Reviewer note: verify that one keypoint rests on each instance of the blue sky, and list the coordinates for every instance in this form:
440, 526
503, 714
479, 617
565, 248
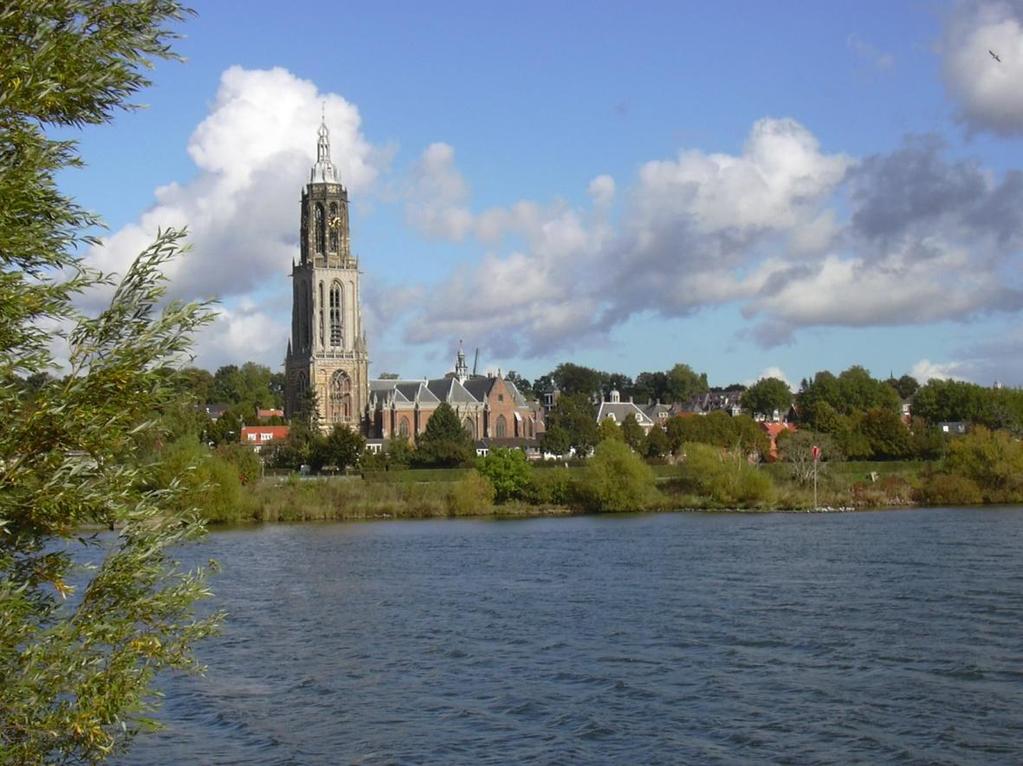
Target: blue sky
744, 187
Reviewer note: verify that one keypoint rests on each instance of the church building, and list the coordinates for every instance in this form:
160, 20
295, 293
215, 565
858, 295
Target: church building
327, 353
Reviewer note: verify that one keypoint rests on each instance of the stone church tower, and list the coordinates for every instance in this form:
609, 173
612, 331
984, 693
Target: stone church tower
327, 351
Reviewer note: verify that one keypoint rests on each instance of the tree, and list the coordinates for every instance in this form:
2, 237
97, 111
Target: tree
609, 429
683, 383
766, 396
572, 422
341, 448
576, 379
906, 386
888, 436
656, 444
77, 672
444, 441
508, 471
633, 432
796, 448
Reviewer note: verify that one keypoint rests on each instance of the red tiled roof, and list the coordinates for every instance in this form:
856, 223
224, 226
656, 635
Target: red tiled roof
276, 433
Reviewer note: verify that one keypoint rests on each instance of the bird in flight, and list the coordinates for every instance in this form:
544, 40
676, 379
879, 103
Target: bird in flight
995, 56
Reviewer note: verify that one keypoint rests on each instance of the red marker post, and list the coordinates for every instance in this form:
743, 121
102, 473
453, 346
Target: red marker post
815, 451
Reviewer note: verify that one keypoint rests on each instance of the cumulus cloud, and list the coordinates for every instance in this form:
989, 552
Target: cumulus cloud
793, 235
926, 370
437, 194
252, 154
985, 90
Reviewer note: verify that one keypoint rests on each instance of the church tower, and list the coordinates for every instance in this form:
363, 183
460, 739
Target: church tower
327, 352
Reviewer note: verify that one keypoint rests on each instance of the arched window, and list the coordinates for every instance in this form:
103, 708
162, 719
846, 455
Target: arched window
529, 428
502, 427
321, 228
336, 335
340, 397
470, 427
322, 316
403, 428
333, 227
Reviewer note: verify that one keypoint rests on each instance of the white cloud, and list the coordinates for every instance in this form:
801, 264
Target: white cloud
986, 91
246, 332
926, 370
252, 152
602, 190
772, 372
437, 194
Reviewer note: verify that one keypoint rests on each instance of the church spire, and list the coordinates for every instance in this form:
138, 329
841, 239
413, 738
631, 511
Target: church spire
323, 171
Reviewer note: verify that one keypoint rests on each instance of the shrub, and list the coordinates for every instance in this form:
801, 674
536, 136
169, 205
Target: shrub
949, 489
470, 495
616, 479
551, 486
508, 471
724, 478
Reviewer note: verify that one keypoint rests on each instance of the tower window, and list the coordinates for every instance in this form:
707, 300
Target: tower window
336, 334
321, 228
334, 223
340, 397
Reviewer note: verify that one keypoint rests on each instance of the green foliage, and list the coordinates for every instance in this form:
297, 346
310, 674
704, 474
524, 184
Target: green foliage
246, 463
551, 486
247, 387
576, 380
473, 494
991, 459
683, 383
444, 441
767, 395
340, 449
655, 444
615, 479
632, 432
948, 489
719, 429
76, 673
609, 429
853, 391
508, 471
571, 424
906, 386
724, 478
887, 435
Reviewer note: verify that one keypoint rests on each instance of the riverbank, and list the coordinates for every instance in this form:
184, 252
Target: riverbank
424, 494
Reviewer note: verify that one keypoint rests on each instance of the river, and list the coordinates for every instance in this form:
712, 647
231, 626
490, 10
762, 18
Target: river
887, 637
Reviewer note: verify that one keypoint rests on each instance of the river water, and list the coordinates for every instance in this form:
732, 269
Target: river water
890, 637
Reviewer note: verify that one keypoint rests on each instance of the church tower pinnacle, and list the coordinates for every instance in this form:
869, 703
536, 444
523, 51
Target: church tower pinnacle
327, 360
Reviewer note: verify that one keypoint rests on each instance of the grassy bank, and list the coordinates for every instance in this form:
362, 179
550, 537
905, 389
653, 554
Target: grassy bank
425, 493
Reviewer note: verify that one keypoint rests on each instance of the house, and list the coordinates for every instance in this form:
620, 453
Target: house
615, 410
266, 414
259, 436
725, 400
774, 429
953, 427
214, 411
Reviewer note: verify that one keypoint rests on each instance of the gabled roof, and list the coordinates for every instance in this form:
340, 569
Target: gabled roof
450, 390
620, 411
479, 387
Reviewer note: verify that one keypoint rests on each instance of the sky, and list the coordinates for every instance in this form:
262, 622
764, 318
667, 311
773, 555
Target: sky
749, 188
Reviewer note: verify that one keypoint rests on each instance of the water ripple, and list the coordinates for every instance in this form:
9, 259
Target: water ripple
657, 639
